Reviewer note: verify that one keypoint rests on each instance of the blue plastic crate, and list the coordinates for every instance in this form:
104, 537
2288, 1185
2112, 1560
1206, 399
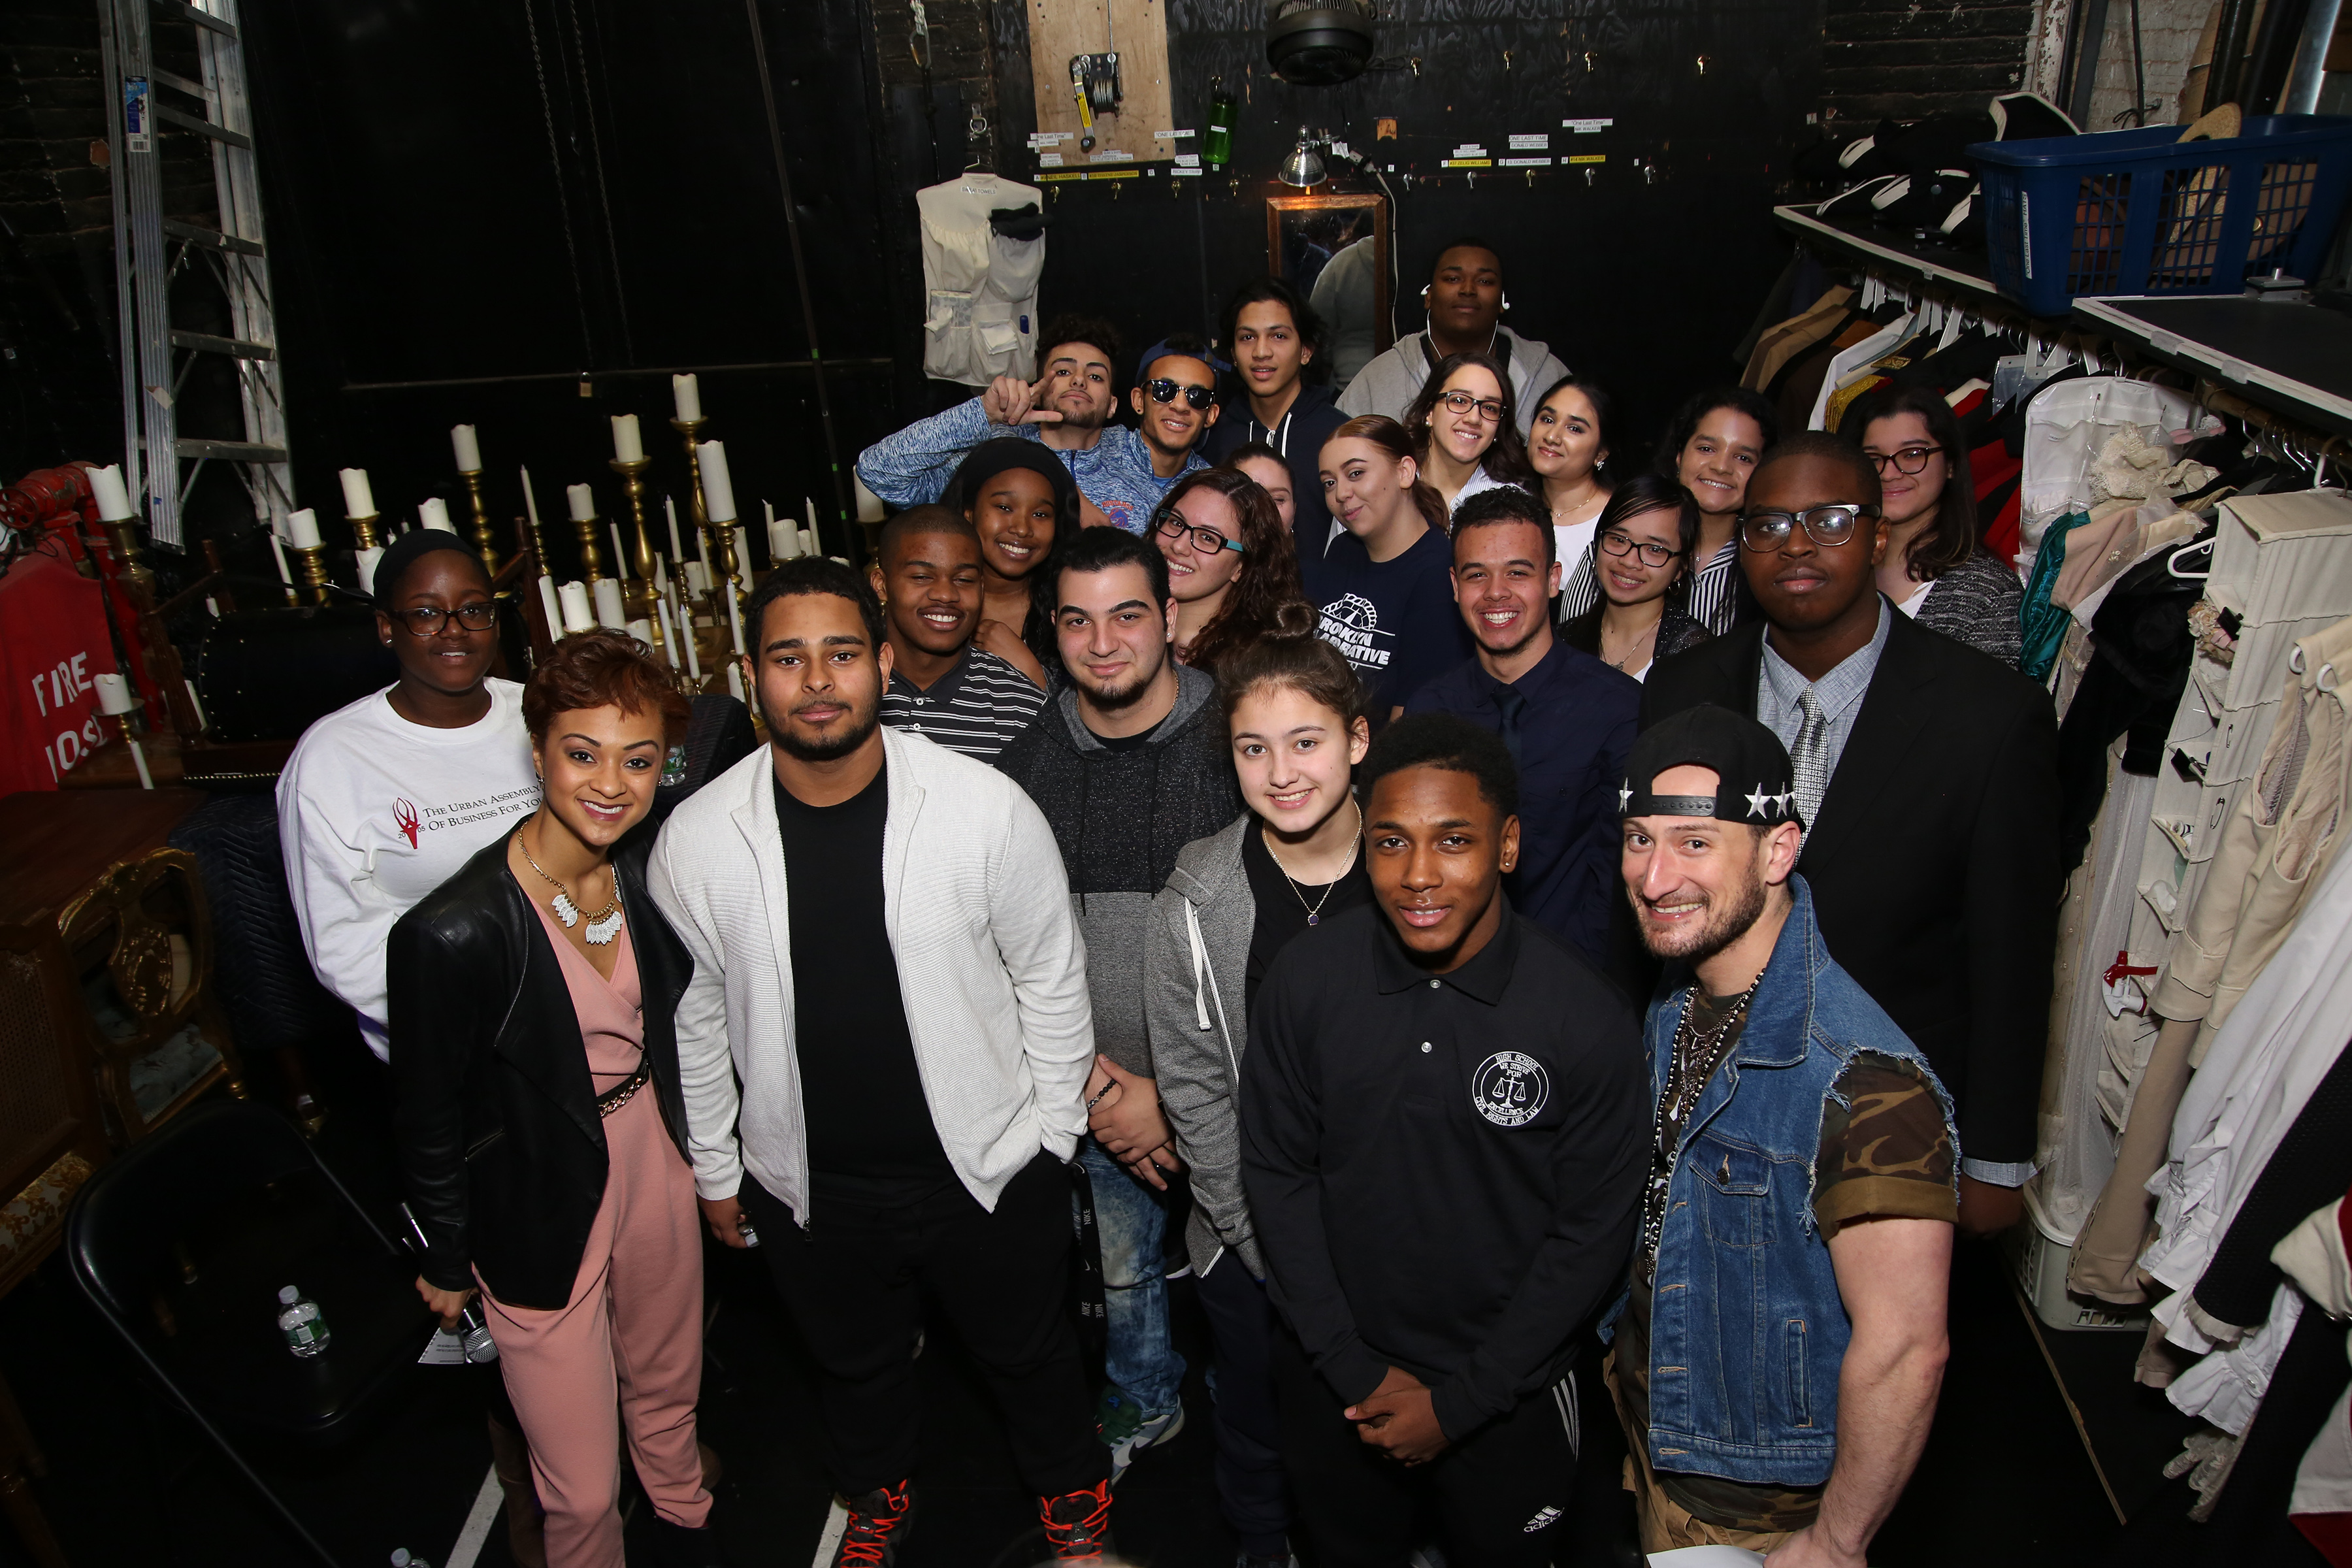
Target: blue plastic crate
2140, 212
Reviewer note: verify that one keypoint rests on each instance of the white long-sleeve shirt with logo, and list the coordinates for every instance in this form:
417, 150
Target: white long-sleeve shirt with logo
374, 812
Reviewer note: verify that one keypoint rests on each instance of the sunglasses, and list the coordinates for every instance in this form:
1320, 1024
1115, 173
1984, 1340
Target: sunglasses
1163, 389
1207, 541
1909, 460
1824, 525
1491, 409
428, 622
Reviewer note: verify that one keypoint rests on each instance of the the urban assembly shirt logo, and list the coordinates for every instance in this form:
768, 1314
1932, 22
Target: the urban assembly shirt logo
1351, 623
1509, 1089
413, 822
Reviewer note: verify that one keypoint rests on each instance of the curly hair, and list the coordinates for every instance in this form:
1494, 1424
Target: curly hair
1668, 458
1269, 575
602, 669
1506, 458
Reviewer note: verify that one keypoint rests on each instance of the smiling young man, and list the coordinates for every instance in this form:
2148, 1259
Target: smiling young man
943, 684
1121, 472
885, 959
1565, 716
1909, 748
1776, 1397
1276, 342
1466, 302
1442, 1110
1129, 764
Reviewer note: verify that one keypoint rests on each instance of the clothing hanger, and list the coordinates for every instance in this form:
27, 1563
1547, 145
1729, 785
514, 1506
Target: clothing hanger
2172, 562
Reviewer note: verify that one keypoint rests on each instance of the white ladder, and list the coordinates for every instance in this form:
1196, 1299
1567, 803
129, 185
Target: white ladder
151, 252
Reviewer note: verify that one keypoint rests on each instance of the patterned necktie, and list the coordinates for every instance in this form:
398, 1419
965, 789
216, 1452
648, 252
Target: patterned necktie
1809, 758
1509, 700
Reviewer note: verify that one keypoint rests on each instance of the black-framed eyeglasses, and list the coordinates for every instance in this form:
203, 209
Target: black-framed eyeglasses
427, 621
1163, 389
1825, 525
1463, 402
1621, 544
1904, 459
1207, 541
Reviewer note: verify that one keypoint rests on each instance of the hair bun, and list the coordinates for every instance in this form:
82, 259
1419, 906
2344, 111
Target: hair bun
1293, 618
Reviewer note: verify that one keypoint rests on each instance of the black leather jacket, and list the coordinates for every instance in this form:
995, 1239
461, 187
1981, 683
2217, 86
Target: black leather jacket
500, 1144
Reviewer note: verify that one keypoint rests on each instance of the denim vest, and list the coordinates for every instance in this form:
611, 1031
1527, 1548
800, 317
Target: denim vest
1747, 1327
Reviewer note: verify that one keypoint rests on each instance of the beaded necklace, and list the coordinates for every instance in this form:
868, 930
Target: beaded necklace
1693, 1063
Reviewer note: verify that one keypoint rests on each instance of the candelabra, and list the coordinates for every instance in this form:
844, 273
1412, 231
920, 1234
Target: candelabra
483, 541
311, 564
124, 534
363, 533
639, 590
527, 534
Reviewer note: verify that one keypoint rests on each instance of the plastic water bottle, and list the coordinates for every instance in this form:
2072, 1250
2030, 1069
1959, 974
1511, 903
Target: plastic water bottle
297, 1319
1217, 146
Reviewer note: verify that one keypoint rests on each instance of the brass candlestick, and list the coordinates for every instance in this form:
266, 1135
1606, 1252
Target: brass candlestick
363, 533
124, 534
692, 430
527, 535
638, 592
311, 565
483, 541
591, 558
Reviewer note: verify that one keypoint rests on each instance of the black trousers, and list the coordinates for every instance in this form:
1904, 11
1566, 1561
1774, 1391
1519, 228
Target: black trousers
854, 1282
1242, 1328
1494, 1498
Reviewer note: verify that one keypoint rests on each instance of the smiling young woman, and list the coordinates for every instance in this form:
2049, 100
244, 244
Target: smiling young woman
1464, 427
1640, 559
1231, 564
1936, 569
541, 1118
1021, 501
1714, 442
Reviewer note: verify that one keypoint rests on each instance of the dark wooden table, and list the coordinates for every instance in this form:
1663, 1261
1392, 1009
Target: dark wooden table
55, 843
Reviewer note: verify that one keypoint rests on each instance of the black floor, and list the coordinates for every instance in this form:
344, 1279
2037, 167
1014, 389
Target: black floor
2006, 1477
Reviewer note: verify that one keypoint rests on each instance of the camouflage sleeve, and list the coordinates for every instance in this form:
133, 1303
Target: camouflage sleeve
1886, 1153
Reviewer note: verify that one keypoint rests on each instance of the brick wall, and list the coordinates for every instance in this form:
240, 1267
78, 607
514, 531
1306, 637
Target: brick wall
1904, 58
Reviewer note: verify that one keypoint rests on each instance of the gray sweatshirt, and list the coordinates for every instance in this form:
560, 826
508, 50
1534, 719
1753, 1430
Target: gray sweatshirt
1120, 818
1387, 385
1195, 961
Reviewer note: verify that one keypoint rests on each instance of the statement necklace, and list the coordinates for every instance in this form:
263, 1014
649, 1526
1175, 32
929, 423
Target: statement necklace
1689, 1067
1315, 910
603, 926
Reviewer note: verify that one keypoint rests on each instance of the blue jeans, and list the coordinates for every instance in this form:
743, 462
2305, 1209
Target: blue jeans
1132, 1222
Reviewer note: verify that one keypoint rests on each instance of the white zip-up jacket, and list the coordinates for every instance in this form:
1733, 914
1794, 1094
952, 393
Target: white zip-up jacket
992, 972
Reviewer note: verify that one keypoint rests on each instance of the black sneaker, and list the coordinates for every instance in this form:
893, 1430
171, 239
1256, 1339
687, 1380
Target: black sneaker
1078, 1524
877, 1527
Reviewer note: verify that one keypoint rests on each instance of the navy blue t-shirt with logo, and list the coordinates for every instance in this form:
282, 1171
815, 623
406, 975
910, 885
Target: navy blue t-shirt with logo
1395, 620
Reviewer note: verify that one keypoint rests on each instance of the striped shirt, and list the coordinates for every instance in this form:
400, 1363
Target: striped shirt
975, 708
1714, 601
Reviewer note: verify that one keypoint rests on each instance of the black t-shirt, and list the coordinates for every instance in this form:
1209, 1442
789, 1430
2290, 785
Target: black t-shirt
1134, 742
869, 1128
1281, 914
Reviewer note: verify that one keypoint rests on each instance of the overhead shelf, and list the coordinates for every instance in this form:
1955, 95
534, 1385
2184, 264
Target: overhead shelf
2296, 359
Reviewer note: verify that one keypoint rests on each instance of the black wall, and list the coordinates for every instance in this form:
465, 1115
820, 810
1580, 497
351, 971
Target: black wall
523, 216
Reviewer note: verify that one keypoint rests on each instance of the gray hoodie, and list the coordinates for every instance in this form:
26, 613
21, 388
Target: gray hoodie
1195, 959
1121, 818
1387, 385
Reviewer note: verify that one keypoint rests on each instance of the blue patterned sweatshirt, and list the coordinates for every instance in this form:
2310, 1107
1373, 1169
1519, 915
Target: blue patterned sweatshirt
914, 467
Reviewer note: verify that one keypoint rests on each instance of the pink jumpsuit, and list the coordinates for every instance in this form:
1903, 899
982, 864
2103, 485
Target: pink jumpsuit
632, 1334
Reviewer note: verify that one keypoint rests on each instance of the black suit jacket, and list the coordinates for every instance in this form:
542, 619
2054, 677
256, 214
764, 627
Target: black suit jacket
500, 1144
1934, 865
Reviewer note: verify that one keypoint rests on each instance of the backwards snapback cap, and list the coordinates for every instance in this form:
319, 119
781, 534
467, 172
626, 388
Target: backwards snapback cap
1754, 781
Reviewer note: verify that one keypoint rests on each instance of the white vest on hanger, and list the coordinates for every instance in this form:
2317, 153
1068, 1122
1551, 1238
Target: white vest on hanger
980, 287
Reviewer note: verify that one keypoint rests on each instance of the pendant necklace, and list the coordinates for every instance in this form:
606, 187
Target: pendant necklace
603, 926
1315, 910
